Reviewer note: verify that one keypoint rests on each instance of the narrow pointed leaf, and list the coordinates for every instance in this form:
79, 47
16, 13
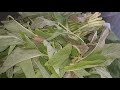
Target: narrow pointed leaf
103, 72
17, 56
9, 40
15, 27
58, 58
43, 71
27, 68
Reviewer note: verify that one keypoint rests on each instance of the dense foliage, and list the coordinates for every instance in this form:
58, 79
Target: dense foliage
58, 45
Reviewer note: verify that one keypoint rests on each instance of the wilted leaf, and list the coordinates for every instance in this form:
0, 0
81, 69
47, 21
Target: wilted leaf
67, 75
92, 37
103, 37
70, 74
27, 68
82, 48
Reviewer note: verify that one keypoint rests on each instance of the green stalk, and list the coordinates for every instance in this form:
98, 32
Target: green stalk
69, 32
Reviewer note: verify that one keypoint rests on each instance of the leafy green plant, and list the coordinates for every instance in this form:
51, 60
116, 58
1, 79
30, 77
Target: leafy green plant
58, 45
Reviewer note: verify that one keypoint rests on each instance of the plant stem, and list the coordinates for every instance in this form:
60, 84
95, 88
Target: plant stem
69, 32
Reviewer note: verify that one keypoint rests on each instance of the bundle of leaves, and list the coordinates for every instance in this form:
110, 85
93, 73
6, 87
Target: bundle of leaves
58, 45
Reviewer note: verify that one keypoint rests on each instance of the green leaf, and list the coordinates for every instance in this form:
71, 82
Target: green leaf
28, 42
11, 49
4, 53
9, 72
27, 14
58, 58
3, 75
94, 76
17, 56
61, 40
114, 68
41, 22
74, 52
54, 35
9, 40
81, 73
112, 38
38, 74
16, 28
59, 17
103, 72
42, 48
52, 70
43, 71
27, 68
17, 69
111, 50
56, 45
54, 76
3, 48
61, 70
19, 75
83, 65
3, 32
96, 55
42, 33
50, 49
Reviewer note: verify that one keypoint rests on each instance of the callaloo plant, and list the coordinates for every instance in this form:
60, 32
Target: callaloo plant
58, 45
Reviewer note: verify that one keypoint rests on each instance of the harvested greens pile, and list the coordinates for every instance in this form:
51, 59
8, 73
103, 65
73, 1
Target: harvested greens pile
58, 45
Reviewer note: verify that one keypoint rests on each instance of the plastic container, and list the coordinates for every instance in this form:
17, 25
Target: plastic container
114, 19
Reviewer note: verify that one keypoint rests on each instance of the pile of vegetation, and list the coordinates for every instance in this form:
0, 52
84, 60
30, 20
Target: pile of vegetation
58, 45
